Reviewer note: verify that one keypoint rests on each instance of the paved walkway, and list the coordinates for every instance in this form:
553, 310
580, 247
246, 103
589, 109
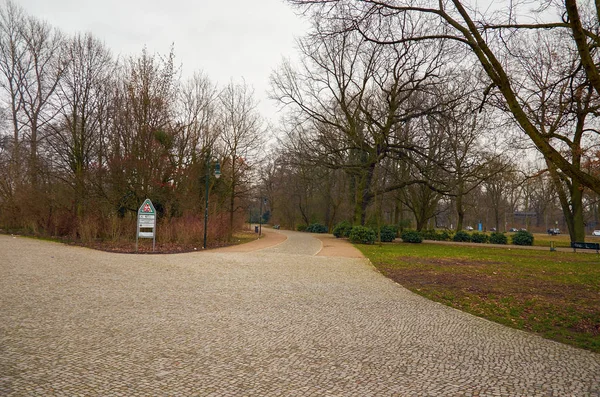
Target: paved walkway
279, 321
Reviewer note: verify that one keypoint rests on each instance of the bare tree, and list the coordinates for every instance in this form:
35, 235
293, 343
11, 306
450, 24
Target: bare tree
242, 135
143, 135
76, 136
12, 53
41, 69
488, 38
497, 188
351, 102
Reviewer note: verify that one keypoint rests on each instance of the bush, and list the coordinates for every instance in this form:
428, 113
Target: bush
362, 235
444, 235
301, 228
342, 229
411, 236
388, 233
479, 237
462, 237
430, 234
316, 228
522, 237
498, 238
435, 236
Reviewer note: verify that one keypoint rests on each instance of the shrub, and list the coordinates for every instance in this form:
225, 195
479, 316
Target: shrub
462, 236
479, 237
522, 237
342, 229
301, 228
444, 235
388, 233
498, 238
316, 228
411, 236
430, 234
362, 235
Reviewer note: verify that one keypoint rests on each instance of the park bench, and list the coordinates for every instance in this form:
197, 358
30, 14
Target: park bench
587, 246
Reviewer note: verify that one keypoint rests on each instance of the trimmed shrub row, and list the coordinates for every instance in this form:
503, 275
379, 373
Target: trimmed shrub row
316, 228
312, 228
366, 235
363, 234
519, 238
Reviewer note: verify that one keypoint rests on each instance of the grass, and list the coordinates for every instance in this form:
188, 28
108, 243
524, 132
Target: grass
560, 240
554, 294
243, 237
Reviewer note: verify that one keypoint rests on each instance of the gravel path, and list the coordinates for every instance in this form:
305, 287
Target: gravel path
280, 321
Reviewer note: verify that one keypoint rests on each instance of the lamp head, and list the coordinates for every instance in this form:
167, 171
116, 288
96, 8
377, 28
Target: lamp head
217, 170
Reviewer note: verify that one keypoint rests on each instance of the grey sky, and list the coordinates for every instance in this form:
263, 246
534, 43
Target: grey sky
225, 39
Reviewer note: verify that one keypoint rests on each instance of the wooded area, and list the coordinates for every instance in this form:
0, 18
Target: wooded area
441, 111
419, 114
87, 137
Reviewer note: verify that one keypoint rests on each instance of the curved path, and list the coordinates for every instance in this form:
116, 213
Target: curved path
278, 321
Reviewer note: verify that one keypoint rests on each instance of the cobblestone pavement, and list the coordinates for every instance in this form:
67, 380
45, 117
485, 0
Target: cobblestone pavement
275, 322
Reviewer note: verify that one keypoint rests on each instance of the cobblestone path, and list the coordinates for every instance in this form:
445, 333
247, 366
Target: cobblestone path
276, 322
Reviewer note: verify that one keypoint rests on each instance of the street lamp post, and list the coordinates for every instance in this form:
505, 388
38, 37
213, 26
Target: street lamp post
217, 175
260, 215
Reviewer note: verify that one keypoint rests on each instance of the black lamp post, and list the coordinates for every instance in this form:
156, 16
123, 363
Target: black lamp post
217, 175
260, 216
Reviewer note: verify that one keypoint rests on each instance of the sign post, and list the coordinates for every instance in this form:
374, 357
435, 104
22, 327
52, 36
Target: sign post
146, 223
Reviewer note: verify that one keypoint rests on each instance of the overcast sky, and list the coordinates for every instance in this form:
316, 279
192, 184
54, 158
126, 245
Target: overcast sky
226, 39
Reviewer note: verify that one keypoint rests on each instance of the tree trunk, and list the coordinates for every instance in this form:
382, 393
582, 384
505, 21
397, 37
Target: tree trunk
363, 195
578, 228
460, 211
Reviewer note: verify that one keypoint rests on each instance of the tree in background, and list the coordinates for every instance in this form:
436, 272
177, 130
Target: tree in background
351, 103
242, 140
85, 138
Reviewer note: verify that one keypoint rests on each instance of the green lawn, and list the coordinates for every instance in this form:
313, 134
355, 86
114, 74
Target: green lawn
555, 294
561, 240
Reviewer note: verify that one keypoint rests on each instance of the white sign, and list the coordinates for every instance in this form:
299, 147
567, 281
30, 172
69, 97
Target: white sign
147, 221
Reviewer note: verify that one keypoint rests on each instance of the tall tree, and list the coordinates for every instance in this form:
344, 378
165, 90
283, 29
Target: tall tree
243, 138
76, 136
42, 68
488, 39
144, 133
351, 102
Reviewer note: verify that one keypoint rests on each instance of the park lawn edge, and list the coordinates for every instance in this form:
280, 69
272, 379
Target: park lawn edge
570, 319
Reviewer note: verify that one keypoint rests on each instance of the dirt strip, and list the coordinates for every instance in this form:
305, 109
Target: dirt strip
337, 247
269, 238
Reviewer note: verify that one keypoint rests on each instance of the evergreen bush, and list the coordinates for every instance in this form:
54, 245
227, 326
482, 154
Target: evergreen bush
522, 237
388, 233
429, 234
411, 236
479, 237
316, 228
462, 237
342, 229
498, 238
362, 235
444, 235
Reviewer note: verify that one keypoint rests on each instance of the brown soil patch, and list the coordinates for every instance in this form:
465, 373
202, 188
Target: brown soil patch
145, 245
484, 278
